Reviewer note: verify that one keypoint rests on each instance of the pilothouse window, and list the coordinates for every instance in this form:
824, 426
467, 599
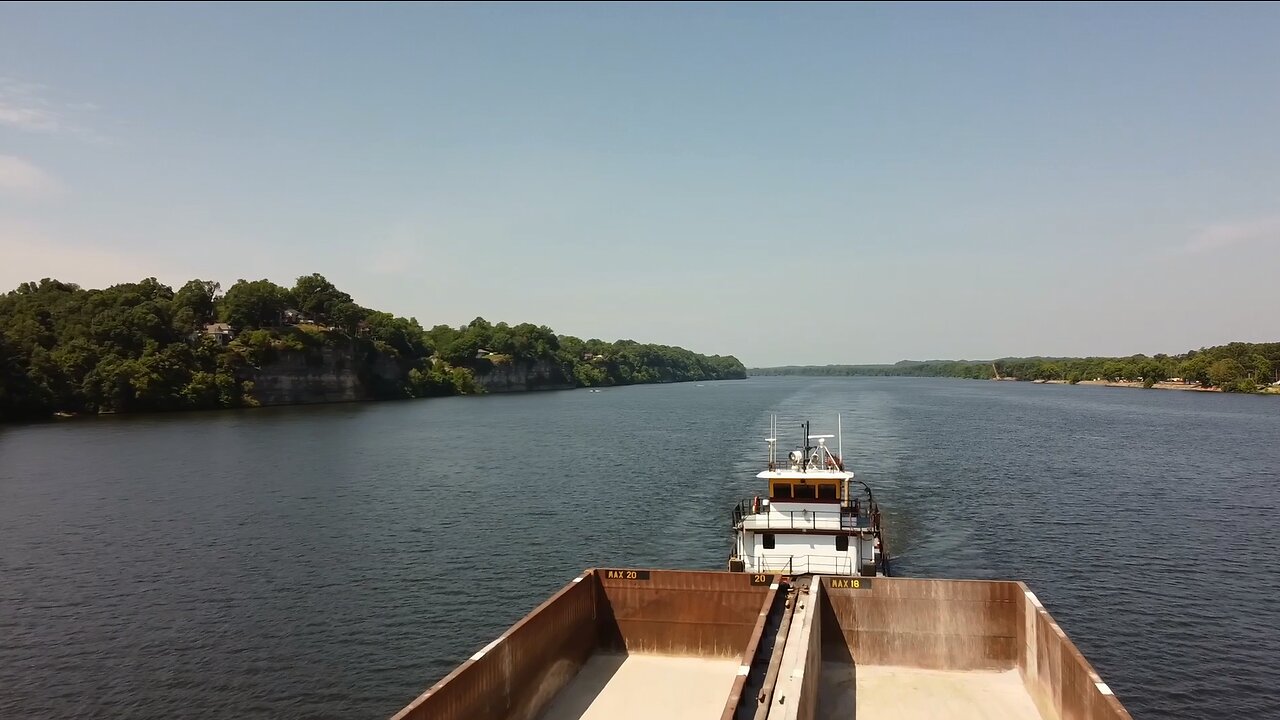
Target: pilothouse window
782, 490
826, 492
803, 491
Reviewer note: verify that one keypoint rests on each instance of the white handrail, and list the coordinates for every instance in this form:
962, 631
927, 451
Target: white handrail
791, 563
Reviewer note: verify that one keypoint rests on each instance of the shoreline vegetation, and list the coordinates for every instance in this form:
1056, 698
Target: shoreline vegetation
141, 347
1236, 367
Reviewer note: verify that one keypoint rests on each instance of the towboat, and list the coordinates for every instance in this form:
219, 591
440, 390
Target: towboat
814, 517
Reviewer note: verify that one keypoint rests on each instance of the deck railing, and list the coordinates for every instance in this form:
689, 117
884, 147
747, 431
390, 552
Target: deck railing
805, 564
767, 518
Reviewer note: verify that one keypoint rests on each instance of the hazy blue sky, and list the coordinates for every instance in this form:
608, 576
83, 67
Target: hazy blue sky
791, 184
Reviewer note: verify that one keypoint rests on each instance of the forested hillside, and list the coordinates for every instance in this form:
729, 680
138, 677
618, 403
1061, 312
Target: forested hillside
143, 346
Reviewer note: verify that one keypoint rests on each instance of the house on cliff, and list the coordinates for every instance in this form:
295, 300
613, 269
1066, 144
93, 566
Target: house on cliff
294, 317
222, 332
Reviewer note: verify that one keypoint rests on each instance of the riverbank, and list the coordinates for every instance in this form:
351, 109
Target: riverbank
1140, 386
480, 391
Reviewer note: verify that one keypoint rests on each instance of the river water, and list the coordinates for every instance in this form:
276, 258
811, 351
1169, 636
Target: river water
332, 562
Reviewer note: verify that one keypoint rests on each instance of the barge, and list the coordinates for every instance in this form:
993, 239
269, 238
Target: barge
630, 643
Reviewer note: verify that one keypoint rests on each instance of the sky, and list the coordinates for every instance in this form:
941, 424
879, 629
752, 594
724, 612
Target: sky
791, 184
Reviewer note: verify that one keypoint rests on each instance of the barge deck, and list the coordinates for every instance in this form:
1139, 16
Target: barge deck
737, 646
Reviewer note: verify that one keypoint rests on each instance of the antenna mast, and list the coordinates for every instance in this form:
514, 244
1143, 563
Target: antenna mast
773, 440
807, 446
840, 440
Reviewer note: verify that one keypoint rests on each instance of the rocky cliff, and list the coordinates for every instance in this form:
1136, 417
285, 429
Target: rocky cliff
517, 376
334, 373
349, 370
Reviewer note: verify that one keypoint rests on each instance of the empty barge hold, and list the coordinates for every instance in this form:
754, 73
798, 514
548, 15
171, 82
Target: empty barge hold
631, 643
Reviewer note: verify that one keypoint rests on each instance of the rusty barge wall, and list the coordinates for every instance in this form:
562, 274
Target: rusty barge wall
1061, 681
658, 612
960, 626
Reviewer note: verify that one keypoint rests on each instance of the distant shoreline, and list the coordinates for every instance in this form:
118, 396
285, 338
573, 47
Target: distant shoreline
1236, 367
1266, 390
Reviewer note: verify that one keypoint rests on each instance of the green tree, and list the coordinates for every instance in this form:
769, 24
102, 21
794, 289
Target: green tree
1152, 370
587, 375
1115, 370
348, 317
194, 304
1196, 369
318, 298
21, 396
1242, 385
1225, 373
1046, 371
1260, 367
254, 304
406, 337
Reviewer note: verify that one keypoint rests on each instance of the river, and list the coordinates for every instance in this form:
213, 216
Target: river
334, 561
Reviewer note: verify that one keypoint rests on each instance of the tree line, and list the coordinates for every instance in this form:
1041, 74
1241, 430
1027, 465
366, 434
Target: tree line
1234, 367
143, 346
